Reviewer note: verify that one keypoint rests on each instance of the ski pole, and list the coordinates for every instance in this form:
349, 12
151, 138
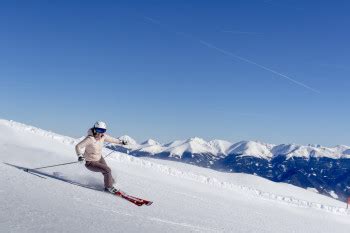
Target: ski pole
109, 154
56, 165
61, 164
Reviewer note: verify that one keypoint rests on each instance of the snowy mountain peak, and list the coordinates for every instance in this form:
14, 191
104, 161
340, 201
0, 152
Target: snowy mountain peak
174, 143
221, 146
150, 142
293, 150
252, 148
193, 145
196, 140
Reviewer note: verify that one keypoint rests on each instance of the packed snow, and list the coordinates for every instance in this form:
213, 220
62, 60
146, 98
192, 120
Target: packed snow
186, 198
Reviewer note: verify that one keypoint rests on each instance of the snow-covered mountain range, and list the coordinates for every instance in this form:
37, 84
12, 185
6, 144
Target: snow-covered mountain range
219, 148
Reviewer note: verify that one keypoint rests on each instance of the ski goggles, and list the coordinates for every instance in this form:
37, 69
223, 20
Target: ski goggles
100, 130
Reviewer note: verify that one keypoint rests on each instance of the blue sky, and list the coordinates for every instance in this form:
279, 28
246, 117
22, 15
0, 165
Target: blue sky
274, 71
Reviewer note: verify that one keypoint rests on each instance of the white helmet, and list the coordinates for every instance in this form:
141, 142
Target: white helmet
100, 127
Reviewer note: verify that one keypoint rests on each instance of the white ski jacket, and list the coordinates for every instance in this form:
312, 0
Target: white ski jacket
93, 147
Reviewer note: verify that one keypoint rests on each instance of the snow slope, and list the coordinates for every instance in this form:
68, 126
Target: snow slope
186, 198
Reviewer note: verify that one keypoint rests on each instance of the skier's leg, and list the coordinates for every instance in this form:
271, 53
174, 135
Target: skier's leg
97, 166
103, 161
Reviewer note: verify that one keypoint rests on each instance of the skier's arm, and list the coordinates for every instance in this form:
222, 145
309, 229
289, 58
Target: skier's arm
114, 140
80, 146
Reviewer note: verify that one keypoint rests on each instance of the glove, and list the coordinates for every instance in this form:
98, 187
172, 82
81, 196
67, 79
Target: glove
124, 142
81, 159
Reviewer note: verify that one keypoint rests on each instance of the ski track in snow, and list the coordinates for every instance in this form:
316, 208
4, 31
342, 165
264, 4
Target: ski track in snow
153, 219
124, 158
186, 225
191, 196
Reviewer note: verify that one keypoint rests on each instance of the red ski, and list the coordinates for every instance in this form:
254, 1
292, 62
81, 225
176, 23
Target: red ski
135, 200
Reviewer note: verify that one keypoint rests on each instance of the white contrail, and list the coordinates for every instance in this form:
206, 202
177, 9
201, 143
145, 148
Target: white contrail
258, 65
227, 53
152, 20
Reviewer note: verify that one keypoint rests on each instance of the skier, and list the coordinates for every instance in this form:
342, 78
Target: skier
93, 145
